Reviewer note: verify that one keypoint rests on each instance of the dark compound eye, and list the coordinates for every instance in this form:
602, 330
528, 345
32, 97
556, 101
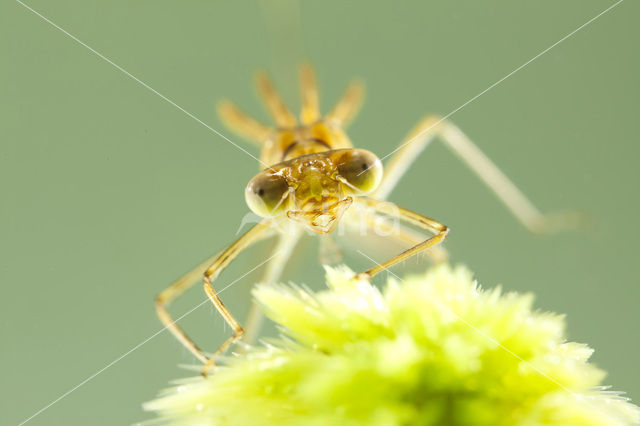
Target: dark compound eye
361, 169
265, 194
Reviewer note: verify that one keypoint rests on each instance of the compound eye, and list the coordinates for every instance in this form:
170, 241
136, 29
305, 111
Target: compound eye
361, 169
265, 194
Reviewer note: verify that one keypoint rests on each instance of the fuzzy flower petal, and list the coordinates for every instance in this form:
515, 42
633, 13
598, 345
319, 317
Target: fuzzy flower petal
433, 349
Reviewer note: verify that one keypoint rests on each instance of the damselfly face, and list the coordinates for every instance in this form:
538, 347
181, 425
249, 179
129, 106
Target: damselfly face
314, 189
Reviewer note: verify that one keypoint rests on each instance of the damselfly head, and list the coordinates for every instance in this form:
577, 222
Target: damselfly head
315, 189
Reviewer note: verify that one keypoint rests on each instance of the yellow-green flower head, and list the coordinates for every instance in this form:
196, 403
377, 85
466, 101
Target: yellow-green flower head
433, 349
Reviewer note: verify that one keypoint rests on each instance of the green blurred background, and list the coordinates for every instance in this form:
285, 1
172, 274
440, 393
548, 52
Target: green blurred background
109, 192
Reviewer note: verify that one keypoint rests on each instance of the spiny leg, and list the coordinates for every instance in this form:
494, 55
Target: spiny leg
242, 124
282, 252
274, 104
515, 201
439, 230
250, 237
310, 112
171, 293
348, 105
359, 218
410, 148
